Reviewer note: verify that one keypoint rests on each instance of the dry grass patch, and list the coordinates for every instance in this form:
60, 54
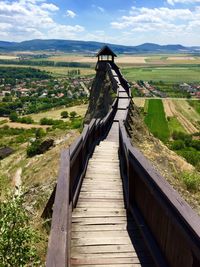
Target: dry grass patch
55, 114
139, 102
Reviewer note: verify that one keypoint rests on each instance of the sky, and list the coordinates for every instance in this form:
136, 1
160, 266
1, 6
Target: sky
126, 22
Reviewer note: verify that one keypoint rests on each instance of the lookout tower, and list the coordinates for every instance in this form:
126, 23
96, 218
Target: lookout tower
106, 55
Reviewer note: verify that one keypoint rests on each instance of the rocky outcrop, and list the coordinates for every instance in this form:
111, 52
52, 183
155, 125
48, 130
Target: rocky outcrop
101, 94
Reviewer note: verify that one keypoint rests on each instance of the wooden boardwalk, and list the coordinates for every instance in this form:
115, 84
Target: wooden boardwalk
99, 222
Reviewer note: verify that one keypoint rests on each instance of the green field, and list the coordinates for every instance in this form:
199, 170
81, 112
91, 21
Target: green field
156, 120
166, 74
175, 125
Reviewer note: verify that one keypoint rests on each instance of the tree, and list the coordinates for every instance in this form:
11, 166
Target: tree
64, 114
13, 117
39, 133
17, 238
73, 114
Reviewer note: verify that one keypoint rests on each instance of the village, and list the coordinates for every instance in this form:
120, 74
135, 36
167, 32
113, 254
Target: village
57, 88
159, 89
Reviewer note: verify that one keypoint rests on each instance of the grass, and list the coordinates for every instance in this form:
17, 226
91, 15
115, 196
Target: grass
156, 121
146, 104
191, 180
195, 105
175, 125
174, 74
55, 113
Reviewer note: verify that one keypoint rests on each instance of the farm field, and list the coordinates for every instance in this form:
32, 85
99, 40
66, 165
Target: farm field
156, 120
55, 71
131, 59
182, 116
55, 114
165, 74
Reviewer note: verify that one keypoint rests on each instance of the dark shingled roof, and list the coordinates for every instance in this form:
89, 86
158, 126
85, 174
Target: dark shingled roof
106, 51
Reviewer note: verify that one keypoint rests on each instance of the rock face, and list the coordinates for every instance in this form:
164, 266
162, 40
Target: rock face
101, 95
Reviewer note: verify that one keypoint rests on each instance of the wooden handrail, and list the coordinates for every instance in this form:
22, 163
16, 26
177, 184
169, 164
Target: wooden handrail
61, 215
168, 222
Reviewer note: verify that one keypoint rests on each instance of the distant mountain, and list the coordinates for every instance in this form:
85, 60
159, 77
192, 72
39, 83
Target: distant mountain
72, 46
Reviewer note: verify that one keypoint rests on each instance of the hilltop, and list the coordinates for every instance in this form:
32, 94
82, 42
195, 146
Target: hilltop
90, 47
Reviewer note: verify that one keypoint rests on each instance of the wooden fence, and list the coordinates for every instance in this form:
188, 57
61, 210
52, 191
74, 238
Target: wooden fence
169, 226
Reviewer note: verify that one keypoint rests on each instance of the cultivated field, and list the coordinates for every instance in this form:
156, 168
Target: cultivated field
55, 114
55, 71
181, 110
156, 120
165, 74
124, 60
8, 57
182, 116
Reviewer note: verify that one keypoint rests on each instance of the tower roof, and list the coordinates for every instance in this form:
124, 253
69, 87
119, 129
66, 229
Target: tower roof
106, 51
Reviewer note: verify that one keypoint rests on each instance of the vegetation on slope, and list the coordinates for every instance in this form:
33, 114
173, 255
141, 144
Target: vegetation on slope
195, 105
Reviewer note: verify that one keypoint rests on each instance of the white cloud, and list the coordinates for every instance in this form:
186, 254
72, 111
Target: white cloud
28, 19
162, 24
173, 2
71, 14
50, 7
101, 9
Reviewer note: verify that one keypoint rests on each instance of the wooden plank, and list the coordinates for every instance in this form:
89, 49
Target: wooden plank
85, 214
100, 220
100, 234
106, 261
117, 265
77, 227
103, 249
94, 204
76, 255
101, 241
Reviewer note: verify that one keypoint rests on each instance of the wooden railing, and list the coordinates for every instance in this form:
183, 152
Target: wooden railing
169, 226
73, 166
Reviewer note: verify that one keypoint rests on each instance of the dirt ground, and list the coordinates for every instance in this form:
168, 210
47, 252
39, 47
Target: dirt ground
139, 102
173, 108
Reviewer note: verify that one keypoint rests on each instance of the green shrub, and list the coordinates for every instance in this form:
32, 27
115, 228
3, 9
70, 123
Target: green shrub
191, 180
17, 238
27, 120
178, 144
33, 148
73, 114
76, 123
64, 114
191, 155
13, 117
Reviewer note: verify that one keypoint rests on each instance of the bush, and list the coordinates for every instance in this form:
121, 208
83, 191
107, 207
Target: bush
13, 117
178, 144
73, 114
191, 155
76, 123
33, 149
39, 133
27, 120
64, 114
191, 180
17, 238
